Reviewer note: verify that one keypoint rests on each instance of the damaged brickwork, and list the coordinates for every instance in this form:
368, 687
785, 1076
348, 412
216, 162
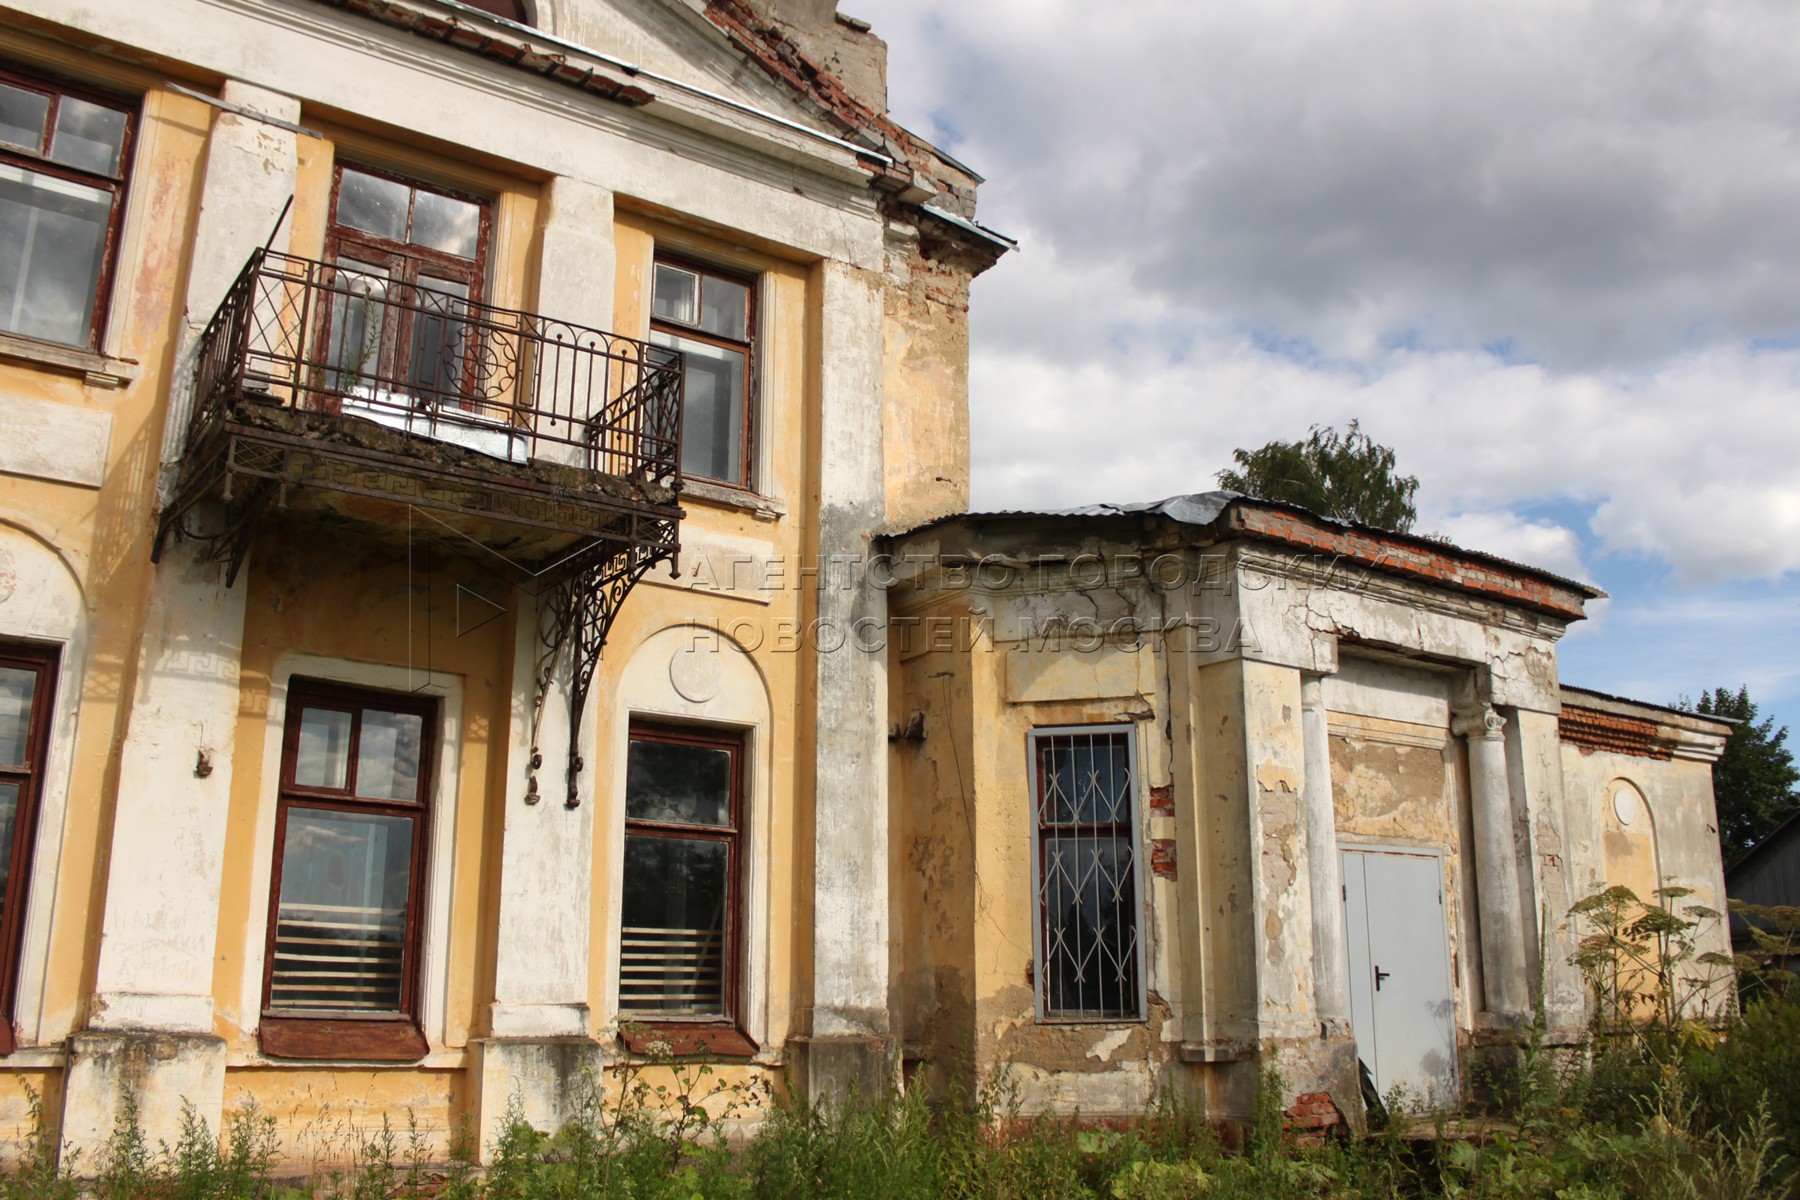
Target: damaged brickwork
1314, 1117
1591, 730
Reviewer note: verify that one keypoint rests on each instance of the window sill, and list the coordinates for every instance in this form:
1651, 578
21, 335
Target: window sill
688, 1041
763, 508
97, 369
358, 1041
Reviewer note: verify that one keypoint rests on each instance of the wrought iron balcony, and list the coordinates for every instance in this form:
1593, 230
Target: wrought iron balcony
323, 386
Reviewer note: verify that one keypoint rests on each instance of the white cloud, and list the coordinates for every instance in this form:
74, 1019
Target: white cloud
1542, 248
1545, 544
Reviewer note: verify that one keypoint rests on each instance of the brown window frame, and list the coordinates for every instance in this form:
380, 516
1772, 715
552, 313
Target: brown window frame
56, 87
716, 1036
748, 281
404, 262
377, 1034
44, 660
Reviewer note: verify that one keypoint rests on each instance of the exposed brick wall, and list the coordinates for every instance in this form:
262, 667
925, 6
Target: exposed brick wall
1403, 556
1314, 1117
1162, 857
1593, 730
1162, 800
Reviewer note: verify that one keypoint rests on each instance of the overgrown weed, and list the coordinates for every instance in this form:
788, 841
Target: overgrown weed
1665, 1101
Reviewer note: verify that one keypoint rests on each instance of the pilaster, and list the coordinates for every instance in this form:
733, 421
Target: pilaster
850, 1041
541, 1051
1331, 961
153, 987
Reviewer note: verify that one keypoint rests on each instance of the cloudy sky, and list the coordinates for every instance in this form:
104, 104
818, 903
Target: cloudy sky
1549, 250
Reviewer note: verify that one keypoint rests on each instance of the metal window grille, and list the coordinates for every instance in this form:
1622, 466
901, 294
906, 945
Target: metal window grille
1089, 943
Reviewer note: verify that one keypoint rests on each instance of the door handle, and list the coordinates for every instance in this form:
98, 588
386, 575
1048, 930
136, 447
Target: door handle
1379, 976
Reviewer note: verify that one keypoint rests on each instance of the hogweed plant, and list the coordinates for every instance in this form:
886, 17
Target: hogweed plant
1644, 968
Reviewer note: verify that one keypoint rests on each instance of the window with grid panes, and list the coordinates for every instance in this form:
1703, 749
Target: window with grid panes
350, 842
409, 262
1089, 935
63, 154
27, 679
678, 944
707, 315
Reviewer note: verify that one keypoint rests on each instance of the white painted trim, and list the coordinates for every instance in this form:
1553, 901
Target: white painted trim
440, 863
48, 439
63, 625
754, 721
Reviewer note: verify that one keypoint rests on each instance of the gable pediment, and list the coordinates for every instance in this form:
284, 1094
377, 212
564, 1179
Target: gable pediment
675, 39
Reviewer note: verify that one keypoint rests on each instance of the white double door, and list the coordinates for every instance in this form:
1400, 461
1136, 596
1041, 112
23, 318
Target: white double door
1402, 1009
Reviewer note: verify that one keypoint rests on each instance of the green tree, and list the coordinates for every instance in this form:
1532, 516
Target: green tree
1754, 778
1349, 476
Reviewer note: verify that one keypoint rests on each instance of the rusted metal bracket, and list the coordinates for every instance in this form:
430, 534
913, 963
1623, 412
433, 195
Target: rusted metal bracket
577, 615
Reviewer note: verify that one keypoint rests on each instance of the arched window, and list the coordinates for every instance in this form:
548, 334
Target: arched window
512, 10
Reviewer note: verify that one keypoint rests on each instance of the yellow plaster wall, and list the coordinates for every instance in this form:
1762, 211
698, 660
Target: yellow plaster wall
964, 863
376, 612
324, 1117
1679, 807
937, 893
925, 415
29, 1101
1392, 791
104, 534
766, 632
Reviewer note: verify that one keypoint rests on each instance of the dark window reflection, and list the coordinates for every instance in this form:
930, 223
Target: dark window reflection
675, 941
666, 781
1088, 906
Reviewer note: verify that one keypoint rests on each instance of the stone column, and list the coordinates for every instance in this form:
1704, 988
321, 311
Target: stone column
1331, 952
150, 1020
850, 1043
1505, 965
540, 1049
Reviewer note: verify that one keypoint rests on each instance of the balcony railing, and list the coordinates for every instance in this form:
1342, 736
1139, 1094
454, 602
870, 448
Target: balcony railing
298, 334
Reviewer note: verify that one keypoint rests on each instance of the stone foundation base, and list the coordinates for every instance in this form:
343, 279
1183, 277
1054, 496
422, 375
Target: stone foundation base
830, 1070
544, 1081
159, 1071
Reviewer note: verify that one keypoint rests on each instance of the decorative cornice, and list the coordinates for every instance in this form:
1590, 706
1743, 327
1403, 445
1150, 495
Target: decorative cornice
1445, 566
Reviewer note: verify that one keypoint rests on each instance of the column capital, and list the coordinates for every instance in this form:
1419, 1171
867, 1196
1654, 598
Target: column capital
1479, 722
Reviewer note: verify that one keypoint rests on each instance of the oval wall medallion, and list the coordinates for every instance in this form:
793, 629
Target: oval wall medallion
694, 671
9, 576
1625, 806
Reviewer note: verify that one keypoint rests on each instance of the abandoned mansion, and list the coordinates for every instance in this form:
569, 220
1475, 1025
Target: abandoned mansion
487, 593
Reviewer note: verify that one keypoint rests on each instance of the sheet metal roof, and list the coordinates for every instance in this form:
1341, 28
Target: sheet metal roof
1203, 508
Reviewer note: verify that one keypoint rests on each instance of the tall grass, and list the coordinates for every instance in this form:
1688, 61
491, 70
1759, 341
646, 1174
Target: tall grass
1659, 1105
